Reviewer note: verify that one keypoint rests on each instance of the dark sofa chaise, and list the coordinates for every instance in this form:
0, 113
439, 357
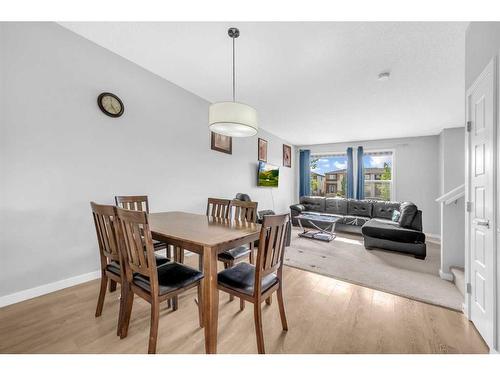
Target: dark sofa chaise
373, 219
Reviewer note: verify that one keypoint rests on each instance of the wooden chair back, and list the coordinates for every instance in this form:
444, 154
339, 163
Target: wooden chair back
244, 211
107, 229
271, 247
138, 245
133, 202
218, 208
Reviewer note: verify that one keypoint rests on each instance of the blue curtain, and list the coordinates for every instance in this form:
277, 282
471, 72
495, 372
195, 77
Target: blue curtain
305, 173
350, 174
360, 192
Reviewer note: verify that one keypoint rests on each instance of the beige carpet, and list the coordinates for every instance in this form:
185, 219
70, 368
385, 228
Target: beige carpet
346, 258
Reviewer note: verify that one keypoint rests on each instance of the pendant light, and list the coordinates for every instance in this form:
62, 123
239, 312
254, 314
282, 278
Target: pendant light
232, 118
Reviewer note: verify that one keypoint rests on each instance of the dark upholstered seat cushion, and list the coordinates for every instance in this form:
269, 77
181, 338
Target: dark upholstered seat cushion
388, 230
241, 278
115, 267
408, 211
359, 208
234, 254
336, 206
158, 245
161, 260
171, 276
316, 204
384, 210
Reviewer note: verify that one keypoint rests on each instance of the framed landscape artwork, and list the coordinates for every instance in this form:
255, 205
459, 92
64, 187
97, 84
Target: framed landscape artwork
262, 150
221, 143
287, 156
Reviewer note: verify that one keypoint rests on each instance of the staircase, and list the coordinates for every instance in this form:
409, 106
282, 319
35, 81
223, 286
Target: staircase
459, 278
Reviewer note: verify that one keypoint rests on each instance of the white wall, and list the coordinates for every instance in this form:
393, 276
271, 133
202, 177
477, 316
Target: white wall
482, 42
452, 175
415, 167
58, 151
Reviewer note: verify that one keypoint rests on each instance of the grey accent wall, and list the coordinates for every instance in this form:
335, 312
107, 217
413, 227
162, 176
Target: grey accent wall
416, 171
452, 157
58, 151
452, 175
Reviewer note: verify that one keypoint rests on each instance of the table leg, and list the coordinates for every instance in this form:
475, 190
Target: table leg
210, 299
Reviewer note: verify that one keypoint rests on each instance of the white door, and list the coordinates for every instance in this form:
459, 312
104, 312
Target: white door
481, 117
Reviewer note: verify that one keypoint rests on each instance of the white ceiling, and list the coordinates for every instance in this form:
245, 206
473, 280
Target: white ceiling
310, 82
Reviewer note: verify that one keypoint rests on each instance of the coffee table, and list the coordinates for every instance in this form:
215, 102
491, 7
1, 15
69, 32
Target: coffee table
327, 234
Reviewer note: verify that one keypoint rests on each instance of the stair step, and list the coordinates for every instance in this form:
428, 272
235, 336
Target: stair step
459, 278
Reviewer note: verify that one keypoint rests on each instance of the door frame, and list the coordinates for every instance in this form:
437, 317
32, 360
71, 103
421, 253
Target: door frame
494, 66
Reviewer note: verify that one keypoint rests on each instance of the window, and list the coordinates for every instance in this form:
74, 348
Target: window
328, 175
378, 175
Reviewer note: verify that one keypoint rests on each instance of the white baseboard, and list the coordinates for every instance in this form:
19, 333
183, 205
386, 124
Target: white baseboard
431, 237
26, 294
445, 275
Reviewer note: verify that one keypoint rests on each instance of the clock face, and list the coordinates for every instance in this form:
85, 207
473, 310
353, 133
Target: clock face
110, 104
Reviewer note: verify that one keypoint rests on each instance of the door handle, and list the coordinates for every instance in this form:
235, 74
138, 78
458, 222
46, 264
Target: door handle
482, 222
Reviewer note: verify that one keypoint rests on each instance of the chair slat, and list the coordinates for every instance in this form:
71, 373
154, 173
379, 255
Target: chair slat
138, 242
277, 246
133, 202
106, 230
139, 247
218, 208
270, 248
271, 243
244, 210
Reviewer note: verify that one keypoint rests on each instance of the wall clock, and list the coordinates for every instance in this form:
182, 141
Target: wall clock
110, 104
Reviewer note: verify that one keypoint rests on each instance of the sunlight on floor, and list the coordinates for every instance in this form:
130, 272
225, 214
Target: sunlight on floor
348, 240
383, 300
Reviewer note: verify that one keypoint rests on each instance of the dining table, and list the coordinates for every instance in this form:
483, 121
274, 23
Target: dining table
208, 237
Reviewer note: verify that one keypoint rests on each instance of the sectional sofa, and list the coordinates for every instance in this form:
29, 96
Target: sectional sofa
375, 220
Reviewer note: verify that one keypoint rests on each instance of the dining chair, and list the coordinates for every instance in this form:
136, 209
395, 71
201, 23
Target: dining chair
140, 203
146, 280
109, 240
218, 208
256, 283
242, 211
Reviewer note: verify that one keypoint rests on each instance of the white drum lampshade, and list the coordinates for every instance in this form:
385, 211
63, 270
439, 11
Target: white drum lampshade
233, 119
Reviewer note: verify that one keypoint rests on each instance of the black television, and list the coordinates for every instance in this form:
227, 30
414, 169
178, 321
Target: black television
268, 175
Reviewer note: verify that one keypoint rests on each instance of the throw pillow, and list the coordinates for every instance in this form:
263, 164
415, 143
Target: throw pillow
395, 215
408, 212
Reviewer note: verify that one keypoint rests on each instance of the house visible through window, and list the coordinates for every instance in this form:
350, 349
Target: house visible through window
378, 175
328, 175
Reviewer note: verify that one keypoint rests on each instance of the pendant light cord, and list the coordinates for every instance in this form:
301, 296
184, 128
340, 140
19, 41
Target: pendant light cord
234, 80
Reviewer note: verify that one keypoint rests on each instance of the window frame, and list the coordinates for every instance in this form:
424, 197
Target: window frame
326, 155
393, 170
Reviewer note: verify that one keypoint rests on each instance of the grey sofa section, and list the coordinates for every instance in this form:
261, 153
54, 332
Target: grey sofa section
372, 219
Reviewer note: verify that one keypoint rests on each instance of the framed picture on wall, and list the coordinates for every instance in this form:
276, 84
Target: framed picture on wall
262, 150
221, 143
287, 156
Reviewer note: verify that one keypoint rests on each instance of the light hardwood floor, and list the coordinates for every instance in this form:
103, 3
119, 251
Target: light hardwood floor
324, 316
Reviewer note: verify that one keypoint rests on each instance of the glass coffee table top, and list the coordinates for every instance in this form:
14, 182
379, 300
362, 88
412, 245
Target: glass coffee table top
318, 217
317, 233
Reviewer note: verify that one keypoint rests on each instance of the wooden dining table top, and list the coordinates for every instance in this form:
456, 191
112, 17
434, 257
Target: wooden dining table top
207, 236
199, 229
